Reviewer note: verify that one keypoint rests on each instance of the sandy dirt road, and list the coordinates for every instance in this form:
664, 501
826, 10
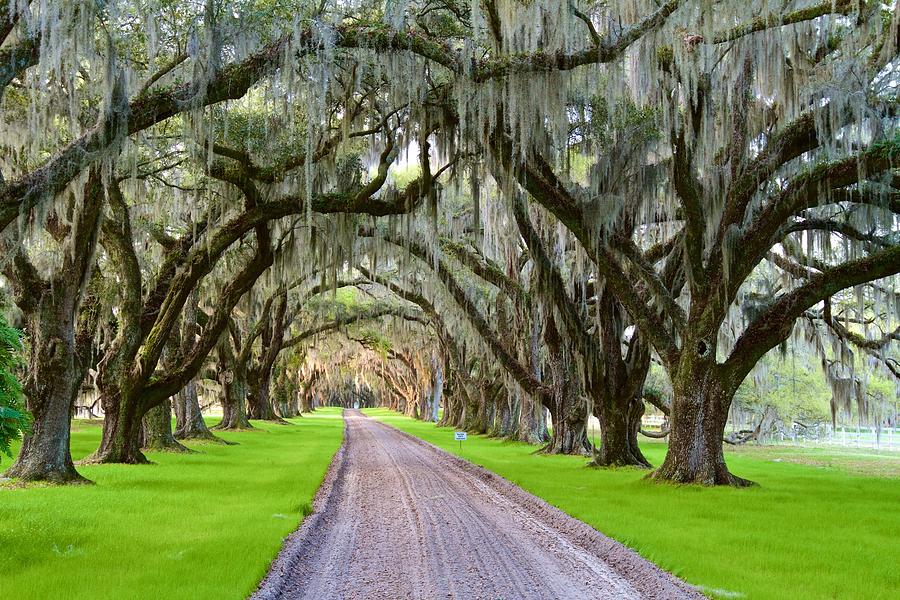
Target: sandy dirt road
399, 518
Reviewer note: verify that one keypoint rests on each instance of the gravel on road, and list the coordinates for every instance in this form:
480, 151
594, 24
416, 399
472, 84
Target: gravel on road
399, 518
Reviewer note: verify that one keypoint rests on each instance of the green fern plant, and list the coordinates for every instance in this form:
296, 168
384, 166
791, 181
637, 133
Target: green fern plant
14, 420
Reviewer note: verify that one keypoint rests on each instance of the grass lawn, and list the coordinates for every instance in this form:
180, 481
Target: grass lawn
814, 527
202, 525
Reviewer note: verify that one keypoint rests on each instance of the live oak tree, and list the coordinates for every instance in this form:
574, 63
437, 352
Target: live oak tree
742, 172
775, 138
60, 318
129, 382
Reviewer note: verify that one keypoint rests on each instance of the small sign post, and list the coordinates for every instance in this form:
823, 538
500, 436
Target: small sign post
460, 436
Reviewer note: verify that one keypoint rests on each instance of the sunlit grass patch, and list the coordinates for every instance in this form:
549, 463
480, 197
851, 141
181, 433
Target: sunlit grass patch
202, 525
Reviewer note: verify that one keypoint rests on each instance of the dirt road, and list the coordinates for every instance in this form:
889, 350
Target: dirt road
399, 518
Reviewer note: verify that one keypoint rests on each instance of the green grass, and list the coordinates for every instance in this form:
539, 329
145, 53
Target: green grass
202, 525
814, 527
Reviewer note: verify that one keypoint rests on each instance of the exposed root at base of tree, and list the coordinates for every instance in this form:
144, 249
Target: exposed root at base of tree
204, 437
173, 447
601, 463
718, 477
549, 449
15, 480
236, 427
106, 458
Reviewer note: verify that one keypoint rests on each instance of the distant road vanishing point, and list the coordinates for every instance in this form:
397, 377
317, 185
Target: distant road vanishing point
400, 518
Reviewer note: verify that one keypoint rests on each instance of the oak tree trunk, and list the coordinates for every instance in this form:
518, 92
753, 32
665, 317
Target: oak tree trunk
475, 411
306, 393
232, 377
504, 425
568, 407
234, 406
60, 323
122, 424
54, 377
51, 389
569, 434
192, 425
156, 433
259, 403
437, 391
532, 425
697, 423
620, 423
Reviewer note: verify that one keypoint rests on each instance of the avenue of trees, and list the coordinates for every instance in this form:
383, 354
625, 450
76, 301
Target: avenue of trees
476, 211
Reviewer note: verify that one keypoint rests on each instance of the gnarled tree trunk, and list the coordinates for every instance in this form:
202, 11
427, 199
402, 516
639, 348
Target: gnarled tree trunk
156, 434
306, 392
620, 424
617, 387
50, 389
60, 326
700, 405
233, 379
259, 405
191, 425
122, 425
569, 434
234, 406
260, 378
505, 422
532, 425
568, 408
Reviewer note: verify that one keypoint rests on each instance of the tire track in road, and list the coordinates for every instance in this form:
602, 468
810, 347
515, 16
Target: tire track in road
399, 518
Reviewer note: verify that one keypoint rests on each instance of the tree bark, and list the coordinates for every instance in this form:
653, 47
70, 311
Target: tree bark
437, 391
620, 424
189, 423
569, 434
504, 423
122, 425
697, 424
192, 426
617, 388
260, 378
306, 392
285, 394
60, 325
306, 405
51, 388
156, 434
477, 409
532, 425
259, 402
234, 406
233, 379
568, 407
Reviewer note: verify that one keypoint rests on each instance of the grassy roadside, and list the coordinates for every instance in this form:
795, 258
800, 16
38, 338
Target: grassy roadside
817, 529
203, 525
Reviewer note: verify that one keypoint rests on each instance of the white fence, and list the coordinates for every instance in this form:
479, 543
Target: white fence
876, 438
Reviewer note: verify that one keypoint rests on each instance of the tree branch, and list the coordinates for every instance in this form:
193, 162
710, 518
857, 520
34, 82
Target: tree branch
774, 324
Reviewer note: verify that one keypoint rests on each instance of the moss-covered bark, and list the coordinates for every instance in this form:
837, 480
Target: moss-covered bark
61, 316
191, 425
233, 379
702, 397
620, 423
156, 434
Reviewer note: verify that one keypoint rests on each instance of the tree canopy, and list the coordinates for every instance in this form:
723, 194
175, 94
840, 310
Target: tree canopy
526, 202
